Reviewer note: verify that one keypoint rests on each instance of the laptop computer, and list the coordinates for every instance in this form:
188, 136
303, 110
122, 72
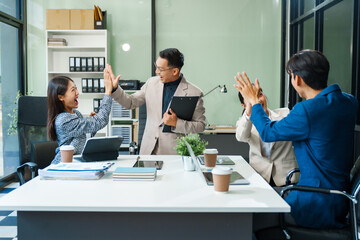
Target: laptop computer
100, 149
235, 178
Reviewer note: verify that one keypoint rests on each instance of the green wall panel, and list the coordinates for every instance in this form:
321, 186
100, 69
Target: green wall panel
218, 39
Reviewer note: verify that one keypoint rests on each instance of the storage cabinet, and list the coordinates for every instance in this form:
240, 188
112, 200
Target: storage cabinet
124, 122
83, 44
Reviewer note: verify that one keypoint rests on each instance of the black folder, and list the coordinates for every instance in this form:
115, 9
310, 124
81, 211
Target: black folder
184, 108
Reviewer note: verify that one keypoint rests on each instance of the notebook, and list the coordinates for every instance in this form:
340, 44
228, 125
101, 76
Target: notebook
101, 149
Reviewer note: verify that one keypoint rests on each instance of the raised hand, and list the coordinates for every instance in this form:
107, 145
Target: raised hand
107, 82
115, 80
247, 89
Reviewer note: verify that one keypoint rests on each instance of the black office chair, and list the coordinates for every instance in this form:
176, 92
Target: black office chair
142, 123
35, 150
350, 232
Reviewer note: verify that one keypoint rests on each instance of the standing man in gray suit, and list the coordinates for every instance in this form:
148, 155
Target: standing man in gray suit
157, 93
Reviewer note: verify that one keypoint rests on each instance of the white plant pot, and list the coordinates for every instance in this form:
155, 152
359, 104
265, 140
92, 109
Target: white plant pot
188, 163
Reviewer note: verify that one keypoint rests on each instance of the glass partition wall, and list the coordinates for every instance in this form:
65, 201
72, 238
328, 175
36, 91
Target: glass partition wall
332, 27
12, 72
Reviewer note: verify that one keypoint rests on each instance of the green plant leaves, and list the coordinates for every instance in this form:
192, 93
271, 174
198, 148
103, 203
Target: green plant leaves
197, 144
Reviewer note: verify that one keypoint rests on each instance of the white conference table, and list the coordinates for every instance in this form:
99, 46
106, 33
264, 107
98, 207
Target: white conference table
177, 205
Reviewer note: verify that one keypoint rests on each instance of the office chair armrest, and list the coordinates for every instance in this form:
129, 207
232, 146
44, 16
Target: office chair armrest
21, 171
290, 174
318, 190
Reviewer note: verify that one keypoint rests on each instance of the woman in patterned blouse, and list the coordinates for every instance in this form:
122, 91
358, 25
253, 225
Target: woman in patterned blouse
65, 124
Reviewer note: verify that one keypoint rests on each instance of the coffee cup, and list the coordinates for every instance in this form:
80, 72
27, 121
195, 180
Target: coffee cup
221, 178
210, 156
67, 152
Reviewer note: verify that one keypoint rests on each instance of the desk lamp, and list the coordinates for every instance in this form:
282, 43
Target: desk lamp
222, 90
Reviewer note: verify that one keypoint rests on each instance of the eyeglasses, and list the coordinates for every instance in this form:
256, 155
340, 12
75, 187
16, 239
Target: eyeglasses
161, 70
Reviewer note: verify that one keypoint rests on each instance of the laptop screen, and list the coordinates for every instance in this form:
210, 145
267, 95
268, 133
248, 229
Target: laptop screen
193, 157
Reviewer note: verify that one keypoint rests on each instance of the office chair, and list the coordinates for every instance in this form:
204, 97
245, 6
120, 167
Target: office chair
35, 150
350, 232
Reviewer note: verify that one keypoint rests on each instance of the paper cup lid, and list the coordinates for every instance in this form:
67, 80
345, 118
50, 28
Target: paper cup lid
222, 170
211, 151
66, 147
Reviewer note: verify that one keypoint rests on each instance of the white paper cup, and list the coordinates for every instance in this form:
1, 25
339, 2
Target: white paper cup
210, 156
67, 152
221, 178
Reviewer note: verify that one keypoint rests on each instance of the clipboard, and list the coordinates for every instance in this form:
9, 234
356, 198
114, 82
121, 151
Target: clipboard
184, 107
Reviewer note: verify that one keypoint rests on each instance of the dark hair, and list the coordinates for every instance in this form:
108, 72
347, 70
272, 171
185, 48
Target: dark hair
174, 56
241, 98
312, 66
57, 86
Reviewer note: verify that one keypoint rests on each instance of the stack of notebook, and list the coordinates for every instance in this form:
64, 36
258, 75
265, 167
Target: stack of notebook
74, 171
57, 42
134, 173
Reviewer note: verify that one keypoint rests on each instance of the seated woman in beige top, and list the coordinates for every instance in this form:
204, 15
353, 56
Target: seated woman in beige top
272, 160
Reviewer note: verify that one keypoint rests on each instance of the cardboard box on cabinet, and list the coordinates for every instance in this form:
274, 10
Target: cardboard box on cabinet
58, 19
82, 19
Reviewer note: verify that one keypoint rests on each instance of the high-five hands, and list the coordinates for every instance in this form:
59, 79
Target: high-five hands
247, 89
170, 119
115, 80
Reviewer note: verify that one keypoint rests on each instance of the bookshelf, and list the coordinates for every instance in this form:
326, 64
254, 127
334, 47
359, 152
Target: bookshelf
89, 43
80, 43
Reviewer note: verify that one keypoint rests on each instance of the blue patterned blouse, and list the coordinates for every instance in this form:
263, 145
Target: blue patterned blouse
71, 128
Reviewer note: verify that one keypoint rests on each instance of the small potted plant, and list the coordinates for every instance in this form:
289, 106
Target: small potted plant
197, 144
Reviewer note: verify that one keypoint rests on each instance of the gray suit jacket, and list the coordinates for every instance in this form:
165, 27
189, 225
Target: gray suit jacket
282, 158
152, 94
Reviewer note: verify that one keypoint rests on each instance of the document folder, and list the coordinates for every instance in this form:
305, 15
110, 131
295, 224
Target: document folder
77, 64
96, 103
102, 85
184, 108
83, 64
101, 64
89, 64
72, 64
96, 64
96, 85
84, 85
89, 85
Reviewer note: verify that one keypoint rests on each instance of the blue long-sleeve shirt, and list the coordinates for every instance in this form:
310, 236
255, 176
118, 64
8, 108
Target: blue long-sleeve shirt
71, 128
322, 132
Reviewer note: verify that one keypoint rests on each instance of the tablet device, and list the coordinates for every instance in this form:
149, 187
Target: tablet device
154, 164
219, 160
101, 149
184, 108
235, 179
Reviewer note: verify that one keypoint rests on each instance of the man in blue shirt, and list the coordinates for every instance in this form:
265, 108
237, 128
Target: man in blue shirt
322, 131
